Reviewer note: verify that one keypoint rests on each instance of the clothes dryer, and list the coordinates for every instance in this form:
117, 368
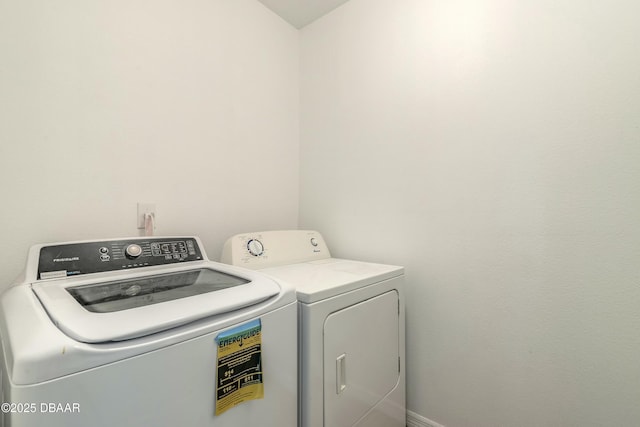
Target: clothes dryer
146, 332
351, 327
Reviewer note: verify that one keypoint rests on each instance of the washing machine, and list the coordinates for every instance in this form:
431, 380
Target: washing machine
145, 332
351, 327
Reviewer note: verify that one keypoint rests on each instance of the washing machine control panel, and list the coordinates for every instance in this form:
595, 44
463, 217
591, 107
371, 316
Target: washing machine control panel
72, 259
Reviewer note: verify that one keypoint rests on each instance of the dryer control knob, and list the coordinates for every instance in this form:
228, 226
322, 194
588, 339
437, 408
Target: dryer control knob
255, 247
133, 251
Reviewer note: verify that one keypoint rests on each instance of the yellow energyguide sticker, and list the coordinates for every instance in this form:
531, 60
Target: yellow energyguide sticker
239, 366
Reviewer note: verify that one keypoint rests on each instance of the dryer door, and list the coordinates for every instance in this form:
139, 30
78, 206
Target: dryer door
361, 358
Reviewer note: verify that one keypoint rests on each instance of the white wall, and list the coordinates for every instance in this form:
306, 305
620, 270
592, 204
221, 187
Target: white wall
493, 148
191, 105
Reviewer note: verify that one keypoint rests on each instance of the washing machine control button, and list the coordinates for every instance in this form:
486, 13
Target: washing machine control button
314, 241
133, 251
255, 247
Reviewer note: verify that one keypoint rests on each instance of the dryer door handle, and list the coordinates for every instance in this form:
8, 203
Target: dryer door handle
341, 373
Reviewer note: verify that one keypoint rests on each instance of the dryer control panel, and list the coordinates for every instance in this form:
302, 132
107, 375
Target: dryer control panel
273, 248
72, 259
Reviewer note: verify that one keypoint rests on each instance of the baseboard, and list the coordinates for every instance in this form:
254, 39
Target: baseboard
416, 420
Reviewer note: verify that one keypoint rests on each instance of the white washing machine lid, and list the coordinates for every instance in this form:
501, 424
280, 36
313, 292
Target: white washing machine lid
318, 280
117, 306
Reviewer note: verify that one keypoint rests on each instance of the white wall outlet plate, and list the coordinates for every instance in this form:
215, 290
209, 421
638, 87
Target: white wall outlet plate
145, 208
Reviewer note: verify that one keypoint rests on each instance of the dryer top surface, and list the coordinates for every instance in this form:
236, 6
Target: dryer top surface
318, 280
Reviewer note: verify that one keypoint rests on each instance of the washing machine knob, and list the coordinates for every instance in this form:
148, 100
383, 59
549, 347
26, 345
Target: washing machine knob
255, 247
133, 251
